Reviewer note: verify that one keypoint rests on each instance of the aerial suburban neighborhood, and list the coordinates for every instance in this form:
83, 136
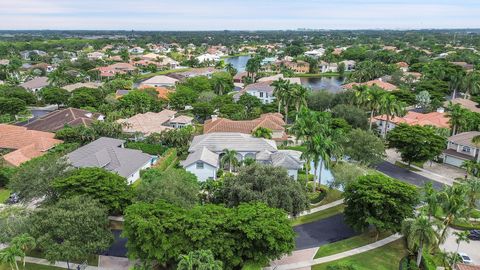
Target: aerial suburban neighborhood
348, 139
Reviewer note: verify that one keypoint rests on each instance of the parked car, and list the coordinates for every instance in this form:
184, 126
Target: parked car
465, 258
13, 199
474, 235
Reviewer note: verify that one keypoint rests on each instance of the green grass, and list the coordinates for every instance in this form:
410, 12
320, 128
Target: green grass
31, 266
383, 258
475, 213
332, 195
318, 215
91, 260
4, 194
163, 72
348, 244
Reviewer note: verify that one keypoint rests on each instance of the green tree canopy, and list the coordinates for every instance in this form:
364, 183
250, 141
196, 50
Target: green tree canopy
199, 259
267, 184
110, 189
161, 232
72, 229
175, 186
416, 143
379, 201
364, 146
54, 95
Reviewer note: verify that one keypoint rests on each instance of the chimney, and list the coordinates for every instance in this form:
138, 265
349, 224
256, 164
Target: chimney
440, 110
214, 117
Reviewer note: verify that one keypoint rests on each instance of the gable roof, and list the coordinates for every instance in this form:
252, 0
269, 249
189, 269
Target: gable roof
28, 144
436, 119
107, 153
466, 103
35, 83
74, 86
148, 123
219, 141
289, 159
260, 86
203, 155
58, 119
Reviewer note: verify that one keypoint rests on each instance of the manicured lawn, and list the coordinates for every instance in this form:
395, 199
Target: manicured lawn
405, 166
332, 195
475, 213
31, 266
383, 258
348, 244
318, 215
4, 194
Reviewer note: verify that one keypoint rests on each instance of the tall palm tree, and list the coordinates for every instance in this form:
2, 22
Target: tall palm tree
457, 117
230, 158
373, 101
420, 233
24, 242
453, 203
231, 69
471, 83
9, 256
431, 199
391, 107
279, 92
461, 236
361, 95
299, 97
455, 83
473, 191
262, 132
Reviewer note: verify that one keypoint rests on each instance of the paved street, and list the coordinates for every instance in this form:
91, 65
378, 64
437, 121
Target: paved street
472, 248
321, 232
406, 175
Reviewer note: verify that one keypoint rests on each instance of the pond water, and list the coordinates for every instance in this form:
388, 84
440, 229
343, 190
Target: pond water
331, 84
238, 62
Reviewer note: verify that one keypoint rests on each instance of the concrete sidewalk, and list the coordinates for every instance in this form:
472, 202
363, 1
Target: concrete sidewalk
308, 263
321, 208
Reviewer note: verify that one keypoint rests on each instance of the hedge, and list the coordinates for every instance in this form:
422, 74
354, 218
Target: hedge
152, 149
168, 158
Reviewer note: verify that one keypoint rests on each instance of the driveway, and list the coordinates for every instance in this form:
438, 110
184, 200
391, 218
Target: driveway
406, 175
321, 232
118, 248
472, 248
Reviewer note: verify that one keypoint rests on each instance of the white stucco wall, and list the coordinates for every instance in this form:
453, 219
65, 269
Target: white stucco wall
134, 177
208, 171
293, 174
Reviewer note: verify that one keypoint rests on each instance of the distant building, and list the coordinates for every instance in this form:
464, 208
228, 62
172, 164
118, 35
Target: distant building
35, 84
436, 119
67, 117
160, 81
379, 83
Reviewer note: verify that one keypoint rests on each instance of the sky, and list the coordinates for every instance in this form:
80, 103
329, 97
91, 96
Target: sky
237, 14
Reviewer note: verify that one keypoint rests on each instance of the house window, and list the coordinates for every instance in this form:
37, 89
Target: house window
466, 149
261, 94
199, 165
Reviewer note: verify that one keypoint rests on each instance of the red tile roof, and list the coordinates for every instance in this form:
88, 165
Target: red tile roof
28, 144
384, 85
462, 266
436, 119
272, 121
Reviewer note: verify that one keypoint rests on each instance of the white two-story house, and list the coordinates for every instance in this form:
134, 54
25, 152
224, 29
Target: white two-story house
460, 148
206, 151
262, 90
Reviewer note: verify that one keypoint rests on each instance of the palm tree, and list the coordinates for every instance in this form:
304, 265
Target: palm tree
391, 107
462, 236
231, 69
420, 233
299, 97
230, 158
473, 191
455, 83
373, 101
262, 132
454, 206
457, 117
219, 86
24, 242
431, 198
279, 91
471, 83
9, 256
361, 95
472, 167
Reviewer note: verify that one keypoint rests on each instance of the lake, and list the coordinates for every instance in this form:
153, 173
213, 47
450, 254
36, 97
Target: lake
331, 84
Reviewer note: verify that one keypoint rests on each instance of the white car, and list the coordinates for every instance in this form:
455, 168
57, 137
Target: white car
465, 258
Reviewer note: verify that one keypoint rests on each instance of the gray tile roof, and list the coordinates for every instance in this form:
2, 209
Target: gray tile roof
260, 86
288, 159
35, 83
464, 138
107, 153
204, 155
219, 141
